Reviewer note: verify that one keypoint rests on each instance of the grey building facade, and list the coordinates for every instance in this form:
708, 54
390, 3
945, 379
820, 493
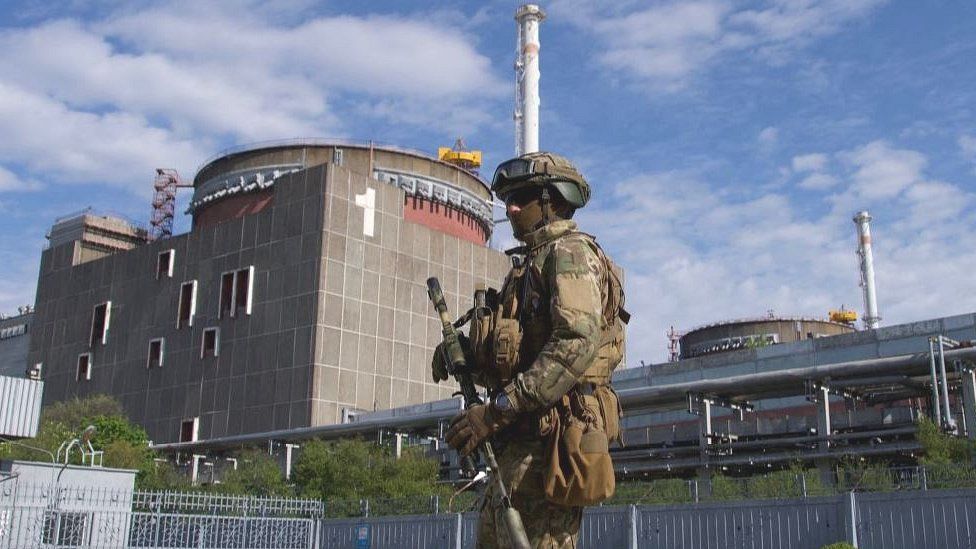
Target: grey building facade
291, 310
14, 338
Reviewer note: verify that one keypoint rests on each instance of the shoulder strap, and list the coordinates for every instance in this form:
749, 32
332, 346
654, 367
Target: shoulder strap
615, 288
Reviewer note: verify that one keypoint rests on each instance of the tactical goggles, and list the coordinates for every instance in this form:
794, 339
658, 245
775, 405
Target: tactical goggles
520, 169
514, 170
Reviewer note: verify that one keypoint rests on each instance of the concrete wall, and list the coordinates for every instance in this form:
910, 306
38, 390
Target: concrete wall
76, 476
246, 384
376, 329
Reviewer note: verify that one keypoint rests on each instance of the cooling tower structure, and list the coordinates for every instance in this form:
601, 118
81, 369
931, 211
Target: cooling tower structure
732, 335
297, 299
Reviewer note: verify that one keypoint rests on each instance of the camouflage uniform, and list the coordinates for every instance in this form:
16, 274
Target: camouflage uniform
562, 296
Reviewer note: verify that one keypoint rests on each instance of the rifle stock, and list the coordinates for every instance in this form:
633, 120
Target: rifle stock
457, 366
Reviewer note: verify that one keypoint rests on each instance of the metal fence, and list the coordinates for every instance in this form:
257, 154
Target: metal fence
60, 516
893, 520
942, 518
51, 515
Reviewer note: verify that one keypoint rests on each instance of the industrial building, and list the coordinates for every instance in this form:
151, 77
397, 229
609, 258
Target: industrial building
14, 338
816, 401
297, 298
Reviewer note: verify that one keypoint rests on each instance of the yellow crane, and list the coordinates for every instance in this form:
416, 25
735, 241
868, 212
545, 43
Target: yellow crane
459, 155
843, 316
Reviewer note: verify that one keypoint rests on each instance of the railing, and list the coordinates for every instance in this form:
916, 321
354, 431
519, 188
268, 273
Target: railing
222, 504
325, 142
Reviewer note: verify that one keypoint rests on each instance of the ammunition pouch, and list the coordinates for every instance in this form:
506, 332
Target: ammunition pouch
480, 335
496, 339
505, 346
579, 470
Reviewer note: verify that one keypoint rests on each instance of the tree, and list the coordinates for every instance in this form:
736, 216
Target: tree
940, 448
354, 469
161, 476
257, 475
74, 411
125, 444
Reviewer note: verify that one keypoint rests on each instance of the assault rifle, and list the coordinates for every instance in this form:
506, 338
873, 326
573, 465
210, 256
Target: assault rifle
457, 366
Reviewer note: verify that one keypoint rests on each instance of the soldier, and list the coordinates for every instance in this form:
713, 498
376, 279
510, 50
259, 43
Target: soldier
546, 353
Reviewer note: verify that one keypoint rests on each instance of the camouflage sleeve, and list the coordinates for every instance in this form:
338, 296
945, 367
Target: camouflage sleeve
574, 274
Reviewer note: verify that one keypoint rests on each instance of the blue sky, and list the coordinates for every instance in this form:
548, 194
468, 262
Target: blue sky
728, 143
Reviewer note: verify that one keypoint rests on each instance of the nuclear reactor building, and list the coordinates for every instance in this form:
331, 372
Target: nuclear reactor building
296, 299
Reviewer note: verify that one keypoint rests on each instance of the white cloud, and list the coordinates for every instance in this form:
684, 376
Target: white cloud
768, 138
656, 43
80, 147
377, 55
882, 171
696, 253
813, 162
9, 181
664, 44
813, 167
108, 101
818, 182
792, 21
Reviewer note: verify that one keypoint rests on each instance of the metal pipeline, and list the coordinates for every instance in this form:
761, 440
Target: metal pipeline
775, 384
936, 407
949, 422
716, 462
653, 398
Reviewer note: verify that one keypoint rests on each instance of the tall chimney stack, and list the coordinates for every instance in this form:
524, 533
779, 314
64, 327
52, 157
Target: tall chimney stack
527, 79
863, 222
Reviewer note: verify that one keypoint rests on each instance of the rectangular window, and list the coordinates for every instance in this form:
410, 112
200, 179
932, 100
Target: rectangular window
236, 289
164, 264
101, 317
226, 295
211, 343
189, 429
156, 348
242, 291
83, 372
188, 304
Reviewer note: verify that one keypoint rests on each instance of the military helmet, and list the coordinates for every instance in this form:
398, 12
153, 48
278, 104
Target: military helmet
541, 169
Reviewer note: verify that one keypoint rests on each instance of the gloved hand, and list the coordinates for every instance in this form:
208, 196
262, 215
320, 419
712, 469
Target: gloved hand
438, 366
471, 427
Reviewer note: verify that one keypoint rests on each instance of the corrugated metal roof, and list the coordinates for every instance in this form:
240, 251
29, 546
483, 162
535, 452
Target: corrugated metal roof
20, 406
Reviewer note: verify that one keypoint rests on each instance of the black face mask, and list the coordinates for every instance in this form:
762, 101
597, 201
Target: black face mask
528, 218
